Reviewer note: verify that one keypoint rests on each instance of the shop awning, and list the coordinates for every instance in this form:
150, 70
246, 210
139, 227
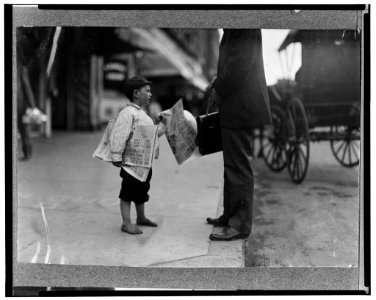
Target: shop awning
167, 59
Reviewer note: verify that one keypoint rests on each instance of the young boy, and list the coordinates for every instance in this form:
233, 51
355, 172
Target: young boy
138, 91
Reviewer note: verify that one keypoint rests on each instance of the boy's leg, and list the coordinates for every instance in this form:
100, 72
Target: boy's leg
127, 226
141, 219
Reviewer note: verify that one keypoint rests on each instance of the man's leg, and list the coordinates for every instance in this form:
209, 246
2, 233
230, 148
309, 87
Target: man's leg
239, 184
238, 163
222, 220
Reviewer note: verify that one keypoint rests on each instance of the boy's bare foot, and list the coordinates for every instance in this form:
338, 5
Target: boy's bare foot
146, 222
130, 229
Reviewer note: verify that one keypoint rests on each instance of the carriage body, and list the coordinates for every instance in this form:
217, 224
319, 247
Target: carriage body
329, 78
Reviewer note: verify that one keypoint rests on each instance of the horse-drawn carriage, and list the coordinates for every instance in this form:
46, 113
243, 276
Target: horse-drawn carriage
323, 103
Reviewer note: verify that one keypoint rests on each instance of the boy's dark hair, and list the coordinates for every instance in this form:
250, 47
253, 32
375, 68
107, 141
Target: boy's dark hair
132, 84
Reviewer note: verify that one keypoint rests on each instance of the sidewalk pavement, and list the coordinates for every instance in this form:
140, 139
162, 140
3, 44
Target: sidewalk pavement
68, 209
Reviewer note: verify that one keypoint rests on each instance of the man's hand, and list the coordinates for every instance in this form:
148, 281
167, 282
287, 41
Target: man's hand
117, 163
214, 98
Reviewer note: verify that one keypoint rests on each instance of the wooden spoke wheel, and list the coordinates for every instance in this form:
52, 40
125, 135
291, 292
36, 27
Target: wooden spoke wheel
297, 140
273, 144
345, 145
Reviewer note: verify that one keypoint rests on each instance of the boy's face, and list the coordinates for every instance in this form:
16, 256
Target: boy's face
142, 96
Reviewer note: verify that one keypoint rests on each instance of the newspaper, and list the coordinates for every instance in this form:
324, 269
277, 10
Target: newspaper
103, 150
181, 131
140, 149
139, 173
139, 152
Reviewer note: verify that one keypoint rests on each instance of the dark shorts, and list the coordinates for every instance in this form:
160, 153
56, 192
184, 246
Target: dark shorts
133, 189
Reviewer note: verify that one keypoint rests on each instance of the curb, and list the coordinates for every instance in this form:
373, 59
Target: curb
220, 254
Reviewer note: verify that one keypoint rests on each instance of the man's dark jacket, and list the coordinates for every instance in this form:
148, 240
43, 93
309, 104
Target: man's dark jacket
241, 80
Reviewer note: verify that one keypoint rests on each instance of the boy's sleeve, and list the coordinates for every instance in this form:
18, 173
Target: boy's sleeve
120, 134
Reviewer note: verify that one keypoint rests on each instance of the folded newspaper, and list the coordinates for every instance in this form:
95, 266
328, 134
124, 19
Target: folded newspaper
181, 131
139, 152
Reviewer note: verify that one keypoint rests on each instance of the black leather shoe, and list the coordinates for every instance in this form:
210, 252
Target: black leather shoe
228, 234
219, 222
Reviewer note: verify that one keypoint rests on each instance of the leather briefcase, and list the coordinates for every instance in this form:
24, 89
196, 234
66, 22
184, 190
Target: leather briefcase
209, 139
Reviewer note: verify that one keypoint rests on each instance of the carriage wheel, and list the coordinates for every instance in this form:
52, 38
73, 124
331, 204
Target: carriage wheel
346, 150
273, 146
297, 140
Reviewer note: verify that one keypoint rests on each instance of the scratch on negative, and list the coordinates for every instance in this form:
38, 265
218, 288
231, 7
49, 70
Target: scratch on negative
47, 258
35, 257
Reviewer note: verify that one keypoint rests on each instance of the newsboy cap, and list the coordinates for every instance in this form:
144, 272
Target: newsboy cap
136, 82
133, 83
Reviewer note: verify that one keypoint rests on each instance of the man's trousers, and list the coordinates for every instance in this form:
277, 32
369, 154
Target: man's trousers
238, 178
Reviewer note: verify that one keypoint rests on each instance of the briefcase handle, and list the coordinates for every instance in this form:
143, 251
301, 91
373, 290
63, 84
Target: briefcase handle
210, 100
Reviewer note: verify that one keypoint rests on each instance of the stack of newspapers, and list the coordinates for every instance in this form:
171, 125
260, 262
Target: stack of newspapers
139, 152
